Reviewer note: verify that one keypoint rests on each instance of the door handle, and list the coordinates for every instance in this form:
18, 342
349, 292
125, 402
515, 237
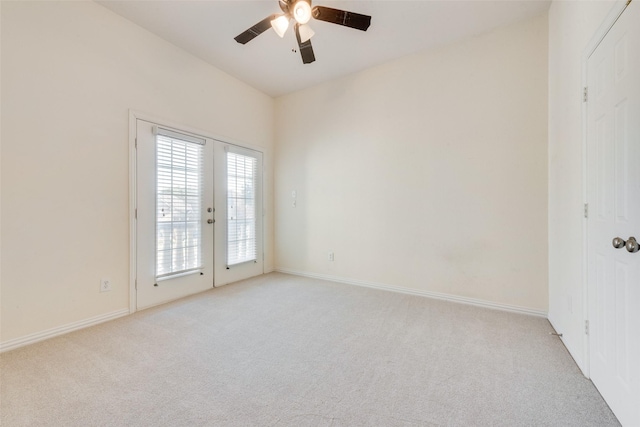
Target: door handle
631, 245
618, 243
210, 221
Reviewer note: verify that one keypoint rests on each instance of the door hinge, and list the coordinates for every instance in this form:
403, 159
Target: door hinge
136, 213
586, 327
585, 94
586, 210
136, 284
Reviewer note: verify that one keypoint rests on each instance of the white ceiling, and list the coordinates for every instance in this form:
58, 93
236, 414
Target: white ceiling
398, 28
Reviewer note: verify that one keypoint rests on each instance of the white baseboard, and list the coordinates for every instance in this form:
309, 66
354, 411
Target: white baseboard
428, 294
60, 330
70, 327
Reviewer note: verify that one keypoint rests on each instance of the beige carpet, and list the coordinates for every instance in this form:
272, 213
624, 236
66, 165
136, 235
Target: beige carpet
281, 350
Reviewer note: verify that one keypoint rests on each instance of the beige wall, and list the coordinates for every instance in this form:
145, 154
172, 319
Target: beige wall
419, 173
428, 173
70, 73
571, 26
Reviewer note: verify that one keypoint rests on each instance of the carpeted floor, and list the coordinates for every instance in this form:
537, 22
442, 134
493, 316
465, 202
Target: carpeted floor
281, 350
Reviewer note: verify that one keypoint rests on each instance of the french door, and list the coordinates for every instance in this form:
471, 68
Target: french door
174, 218
198, 213
238, 177
613, 228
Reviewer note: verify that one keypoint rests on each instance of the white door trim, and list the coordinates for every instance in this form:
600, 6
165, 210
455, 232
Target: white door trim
133, 185
135, 115
616, 10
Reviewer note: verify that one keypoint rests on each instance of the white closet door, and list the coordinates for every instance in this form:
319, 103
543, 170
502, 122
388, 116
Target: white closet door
614, 211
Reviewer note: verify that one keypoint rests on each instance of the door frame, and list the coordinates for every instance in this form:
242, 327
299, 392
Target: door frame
617, 9
135, 115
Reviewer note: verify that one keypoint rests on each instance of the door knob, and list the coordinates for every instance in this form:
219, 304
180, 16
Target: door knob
632, 245
618, 243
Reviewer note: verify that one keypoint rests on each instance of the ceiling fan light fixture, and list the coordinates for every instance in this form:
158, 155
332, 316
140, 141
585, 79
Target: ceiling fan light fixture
302, 11
305, 32
280, 25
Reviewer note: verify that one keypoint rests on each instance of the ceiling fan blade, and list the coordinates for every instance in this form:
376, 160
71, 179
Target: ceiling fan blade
256, 30
342, 17
306, 51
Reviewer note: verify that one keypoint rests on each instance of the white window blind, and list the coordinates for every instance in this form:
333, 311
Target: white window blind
241, 208
179, 191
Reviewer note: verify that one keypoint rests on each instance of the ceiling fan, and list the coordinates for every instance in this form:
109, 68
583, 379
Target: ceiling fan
301, 12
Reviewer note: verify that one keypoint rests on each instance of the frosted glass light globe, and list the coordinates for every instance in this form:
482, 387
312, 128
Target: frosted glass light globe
302, 12
280, 25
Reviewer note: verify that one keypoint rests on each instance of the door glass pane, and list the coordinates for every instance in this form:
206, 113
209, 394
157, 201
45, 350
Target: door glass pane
241, 211
179, 192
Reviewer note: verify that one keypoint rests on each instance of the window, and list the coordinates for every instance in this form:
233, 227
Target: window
179, 192
241, 208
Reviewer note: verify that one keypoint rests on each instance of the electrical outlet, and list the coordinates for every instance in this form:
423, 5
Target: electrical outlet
105, 285
330, 256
